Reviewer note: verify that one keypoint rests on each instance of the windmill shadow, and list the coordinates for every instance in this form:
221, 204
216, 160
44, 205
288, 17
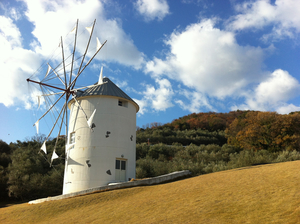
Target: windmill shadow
73, 162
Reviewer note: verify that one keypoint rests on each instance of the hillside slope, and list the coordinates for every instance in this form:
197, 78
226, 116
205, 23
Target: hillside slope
258, 194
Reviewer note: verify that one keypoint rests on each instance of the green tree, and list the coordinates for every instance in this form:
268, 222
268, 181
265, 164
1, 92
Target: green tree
29, 173
5, 160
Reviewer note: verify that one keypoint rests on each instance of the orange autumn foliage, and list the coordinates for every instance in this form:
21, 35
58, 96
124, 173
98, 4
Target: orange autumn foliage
265, 130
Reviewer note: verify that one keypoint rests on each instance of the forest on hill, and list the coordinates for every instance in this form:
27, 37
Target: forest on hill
202, 143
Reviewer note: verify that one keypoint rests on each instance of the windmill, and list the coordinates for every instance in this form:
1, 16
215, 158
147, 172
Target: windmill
100, 135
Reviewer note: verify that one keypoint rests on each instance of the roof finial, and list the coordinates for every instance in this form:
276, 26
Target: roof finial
101, 76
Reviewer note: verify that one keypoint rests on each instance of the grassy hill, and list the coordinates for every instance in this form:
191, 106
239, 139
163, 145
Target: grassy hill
258, 194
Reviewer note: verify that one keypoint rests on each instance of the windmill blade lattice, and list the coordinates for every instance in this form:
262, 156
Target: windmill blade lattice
58, 86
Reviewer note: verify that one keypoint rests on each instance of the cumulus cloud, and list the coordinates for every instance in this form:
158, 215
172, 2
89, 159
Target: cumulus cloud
54, 19
286, 109
152, 9
10, 32
51, 20
16, 64
15, 14
159, 98
198, 101
208, 60
280, 86
283, 15
213, 66
143, 106
273, 92
10, 12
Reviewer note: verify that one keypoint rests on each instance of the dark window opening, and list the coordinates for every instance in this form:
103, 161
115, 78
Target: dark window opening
117, 164
72, 138
123, 165
122, 103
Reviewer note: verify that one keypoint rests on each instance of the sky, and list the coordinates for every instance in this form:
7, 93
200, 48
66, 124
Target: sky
172, 57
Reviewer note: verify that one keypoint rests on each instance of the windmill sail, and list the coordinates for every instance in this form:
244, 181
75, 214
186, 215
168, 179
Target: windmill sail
74, 29
48, 70
44, 147
89, 29
36, 124
54, 156
90, 120
98, 44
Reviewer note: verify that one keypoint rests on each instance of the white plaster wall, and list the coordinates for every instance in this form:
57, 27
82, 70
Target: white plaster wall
94, 146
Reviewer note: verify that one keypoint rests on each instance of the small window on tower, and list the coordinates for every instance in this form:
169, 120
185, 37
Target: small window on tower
117, 164
123, 165
123, 103
72, 138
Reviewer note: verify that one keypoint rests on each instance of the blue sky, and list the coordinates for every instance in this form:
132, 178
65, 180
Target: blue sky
172, 57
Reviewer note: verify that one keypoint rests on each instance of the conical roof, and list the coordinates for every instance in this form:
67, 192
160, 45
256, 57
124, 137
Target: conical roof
108, 88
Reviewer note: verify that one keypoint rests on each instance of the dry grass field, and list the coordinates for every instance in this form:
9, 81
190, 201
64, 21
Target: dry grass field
258, 194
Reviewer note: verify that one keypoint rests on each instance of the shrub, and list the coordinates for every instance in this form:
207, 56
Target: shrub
287, 156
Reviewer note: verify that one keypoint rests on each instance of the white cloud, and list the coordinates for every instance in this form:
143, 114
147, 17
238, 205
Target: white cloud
15, 14
54, 19
286, 109
214, 66
152, 9
283, 15
10, 32
120, 47
272, 93
16, 64
159, 99
10, 12
209, 61
143, 106
197, 101
280, 86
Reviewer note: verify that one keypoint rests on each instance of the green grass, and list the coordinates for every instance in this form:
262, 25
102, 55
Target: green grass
258, 194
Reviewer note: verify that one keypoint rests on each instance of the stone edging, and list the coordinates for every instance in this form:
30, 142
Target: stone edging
145, 182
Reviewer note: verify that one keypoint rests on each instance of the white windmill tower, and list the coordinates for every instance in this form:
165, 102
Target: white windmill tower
100, 149
100, 135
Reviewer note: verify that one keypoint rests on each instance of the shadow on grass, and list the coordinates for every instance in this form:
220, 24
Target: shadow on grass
7, 203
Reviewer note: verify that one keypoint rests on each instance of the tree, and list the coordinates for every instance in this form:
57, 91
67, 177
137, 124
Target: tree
5, 160
265, 130
25, 173
29, 173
